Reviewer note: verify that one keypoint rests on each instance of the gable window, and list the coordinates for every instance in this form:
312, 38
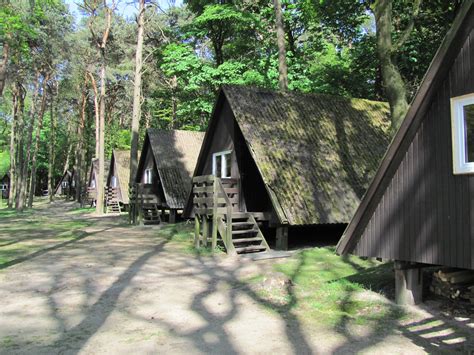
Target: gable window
93, 183
462, 125
3, 187
64, 184
221, 164
148, 176
114, 181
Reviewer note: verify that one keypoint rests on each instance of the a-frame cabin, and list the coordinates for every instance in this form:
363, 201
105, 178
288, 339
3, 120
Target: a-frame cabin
419, 209
92, 181
118, 180
5, 185
66, 185
284, 161
165, 171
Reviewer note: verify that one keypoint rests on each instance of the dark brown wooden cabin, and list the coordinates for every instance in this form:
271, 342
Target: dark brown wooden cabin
66, 185
92, 181
286, 160
165, 171
118, 179
5, 185
420, 207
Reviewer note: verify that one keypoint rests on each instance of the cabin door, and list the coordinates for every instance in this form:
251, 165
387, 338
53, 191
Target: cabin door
222, 168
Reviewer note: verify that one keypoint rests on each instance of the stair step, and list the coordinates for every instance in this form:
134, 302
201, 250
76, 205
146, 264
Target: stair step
239, 215
241, 224
244, 231
251, 248
245, 240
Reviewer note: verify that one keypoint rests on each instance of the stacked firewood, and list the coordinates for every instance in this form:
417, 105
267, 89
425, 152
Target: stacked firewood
454, 284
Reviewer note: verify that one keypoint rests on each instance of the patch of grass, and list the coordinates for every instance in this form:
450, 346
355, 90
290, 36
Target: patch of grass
329, 289
81, 210
181, 235
22, 234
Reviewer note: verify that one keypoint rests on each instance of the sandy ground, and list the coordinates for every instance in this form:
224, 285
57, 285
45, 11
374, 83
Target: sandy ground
123, 290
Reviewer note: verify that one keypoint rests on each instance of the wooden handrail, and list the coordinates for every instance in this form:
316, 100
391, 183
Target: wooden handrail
229, 214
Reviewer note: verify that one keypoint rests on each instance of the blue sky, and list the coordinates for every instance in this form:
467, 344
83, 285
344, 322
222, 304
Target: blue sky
126, 8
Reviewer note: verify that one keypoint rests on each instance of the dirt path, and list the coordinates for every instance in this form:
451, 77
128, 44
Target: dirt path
125, 290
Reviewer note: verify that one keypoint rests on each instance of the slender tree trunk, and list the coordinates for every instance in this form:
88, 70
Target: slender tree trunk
52, 143
393, 83
37, 142
100, 183
282, 67
97, 114
19, 141
13, 170
31, 126
137, 89
4, 66
80, 155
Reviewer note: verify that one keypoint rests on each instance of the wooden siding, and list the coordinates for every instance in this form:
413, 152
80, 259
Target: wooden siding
427, 213
226, 135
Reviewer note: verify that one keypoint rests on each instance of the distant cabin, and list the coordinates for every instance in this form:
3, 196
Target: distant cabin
283, 161
165, 170
5, 185
420, 207
93, 176
66, 185
118, 180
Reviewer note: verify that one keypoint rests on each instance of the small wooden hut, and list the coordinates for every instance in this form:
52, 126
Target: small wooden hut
5, 185
92, 181
118, 179
164, 172
66, 185
419, 208
283, 160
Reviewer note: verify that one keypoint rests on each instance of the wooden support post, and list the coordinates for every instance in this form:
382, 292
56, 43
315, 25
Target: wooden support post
163, 215
281, 238
197, 227
172, 216
215, 196
205, 230
408, 283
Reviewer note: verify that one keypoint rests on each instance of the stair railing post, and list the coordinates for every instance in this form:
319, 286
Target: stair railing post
215, 197
197, 228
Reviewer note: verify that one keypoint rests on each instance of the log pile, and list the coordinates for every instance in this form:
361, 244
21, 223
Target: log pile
454, 284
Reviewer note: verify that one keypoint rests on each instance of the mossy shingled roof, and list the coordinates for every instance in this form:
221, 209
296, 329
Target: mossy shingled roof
176, 153
316, 153
121, 159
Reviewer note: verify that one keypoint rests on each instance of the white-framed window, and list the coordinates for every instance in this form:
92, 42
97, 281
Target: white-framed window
4, 187
462, 125
221, 165
64, 184
93, 183
113, 182
148, 176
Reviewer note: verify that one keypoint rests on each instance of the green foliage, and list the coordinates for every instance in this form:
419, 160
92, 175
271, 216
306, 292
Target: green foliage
4, 162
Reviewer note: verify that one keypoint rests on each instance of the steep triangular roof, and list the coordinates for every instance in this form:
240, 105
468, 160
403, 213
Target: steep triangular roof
315, 153
175, 154
441, 64
69, 175
95, 167
121, 160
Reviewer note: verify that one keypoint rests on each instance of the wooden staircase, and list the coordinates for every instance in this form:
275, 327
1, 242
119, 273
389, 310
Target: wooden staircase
246, 235
112, 204
150, 214
214, 207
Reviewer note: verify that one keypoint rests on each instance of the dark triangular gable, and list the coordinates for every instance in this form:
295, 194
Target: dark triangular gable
253, 187
416, 209
174, 155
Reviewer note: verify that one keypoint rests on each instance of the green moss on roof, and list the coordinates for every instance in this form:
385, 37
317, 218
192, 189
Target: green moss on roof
175, 154
316, 152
